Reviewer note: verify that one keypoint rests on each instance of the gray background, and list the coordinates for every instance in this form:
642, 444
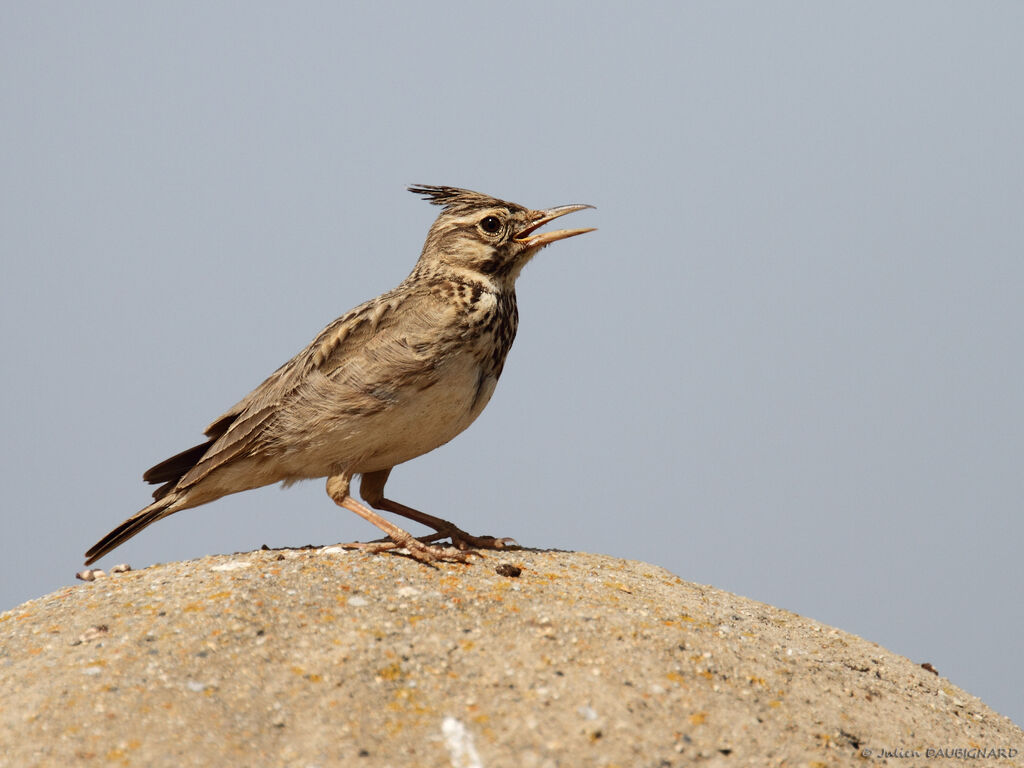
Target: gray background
788, 364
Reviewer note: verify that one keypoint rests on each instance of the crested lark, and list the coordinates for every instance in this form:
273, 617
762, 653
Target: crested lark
390, 380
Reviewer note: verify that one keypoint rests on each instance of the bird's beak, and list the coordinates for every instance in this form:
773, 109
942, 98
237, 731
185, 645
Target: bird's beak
540, 218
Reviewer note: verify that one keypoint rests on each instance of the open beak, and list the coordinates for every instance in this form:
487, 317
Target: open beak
540, 218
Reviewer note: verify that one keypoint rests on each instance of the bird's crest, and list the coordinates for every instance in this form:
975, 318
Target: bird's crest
455, 199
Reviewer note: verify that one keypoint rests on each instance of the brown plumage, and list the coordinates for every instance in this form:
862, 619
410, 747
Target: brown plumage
388, 381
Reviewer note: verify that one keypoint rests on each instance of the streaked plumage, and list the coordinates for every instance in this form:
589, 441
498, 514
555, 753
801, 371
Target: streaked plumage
388, 381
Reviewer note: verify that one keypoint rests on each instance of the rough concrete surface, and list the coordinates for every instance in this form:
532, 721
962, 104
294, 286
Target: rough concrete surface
328, 657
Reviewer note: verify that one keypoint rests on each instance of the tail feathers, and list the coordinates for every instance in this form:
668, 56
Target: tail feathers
127, 529
170, 471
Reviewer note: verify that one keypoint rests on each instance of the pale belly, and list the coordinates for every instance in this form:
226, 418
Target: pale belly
417, 423
424, 421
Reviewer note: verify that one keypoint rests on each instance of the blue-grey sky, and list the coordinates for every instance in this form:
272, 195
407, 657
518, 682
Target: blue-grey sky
787, 364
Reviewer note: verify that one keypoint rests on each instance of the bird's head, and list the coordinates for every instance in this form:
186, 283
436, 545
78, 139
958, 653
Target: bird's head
486, 235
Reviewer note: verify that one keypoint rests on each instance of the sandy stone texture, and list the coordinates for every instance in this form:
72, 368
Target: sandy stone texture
328, 657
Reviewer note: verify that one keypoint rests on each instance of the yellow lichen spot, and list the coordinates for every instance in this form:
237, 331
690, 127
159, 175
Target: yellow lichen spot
706, 674
298, 670
314, 678
756, 680
219, 595
685, 617
406, 701
698, 718
617, 585
675, 677
390, 672
775, 704
193, 608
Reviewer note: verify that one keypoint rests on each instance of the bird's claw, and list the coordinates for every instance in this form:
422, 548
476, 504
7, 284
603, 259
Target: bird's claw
422, 549
484, 542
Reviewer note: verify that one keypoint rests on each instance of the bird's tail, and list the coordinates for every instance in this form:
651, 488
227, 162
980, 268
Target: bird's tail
133, 525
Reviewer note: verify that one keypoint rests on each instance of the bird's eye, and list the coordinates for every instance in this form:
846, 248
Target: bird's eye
490, 224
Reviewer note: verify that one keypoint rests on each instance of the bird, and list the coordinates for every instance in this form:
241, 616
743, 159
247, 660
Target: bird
388, 381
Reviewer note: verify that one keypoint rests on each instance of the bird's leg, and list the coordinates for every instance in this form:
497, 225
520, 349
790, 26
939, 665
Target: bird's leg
338, 490
371, 488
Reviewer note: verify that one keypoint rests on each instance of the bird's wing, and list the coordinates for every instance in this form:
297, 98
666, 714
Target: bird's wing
364, 355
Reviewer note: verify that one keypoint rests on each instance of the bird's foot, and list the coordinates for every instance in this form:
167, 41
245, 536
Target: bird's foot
461, 541
423, 550
465, 541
